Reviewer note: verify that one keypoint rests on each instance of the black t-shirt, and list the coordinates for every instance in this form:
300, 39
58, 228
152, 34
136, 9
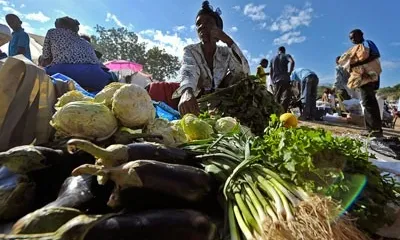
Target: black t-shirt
279, 66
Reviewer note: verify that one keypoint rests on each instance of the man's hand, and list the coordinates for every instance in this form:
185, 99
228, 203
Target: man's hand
188, 103
218, 34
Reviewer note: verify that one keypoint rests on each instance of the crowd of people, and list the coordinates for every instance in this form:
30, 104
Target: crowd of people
207, 66
281, 76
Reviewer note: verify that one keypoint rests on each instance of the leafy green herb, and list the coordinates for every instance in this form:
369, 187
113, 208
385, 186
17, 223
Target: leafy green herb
320, 162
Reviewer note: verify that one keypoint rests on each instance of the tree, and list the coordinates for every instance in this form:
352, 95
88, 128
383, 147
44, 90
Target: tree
119, 43
161, 64
391, 93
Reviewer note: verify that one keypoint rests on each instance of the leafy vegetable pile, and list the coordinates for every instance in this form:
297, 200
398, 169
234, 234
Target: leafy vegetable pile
287, 177
335, 166
248, 101
260, 204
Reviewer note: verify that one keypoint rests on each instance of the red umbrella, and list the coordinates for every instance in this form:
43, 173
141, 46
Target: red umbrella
116, 65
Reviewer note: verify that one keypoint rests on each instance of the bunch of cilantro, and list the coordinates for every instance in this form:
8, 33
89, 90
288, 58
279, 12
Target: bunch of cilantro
321, 163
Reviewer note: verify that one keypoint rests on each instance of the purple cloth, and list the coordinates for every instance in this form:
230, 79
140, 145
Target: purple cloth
91, 77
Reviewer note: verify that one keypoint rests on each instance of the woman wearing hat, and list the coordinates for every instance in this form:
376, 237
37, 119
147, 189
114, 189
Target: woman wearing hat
206, 64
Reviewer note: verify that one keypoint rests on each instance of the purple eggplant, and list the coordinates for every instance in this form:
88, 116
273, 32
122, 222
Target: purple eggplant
187, 182
155, 225
118, 154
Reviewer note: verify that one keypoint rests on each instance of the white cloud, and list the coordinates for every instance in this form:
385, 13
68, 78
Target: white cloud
263, 25
28, 28
39, 16
22, 5
179, 28
11, 10
233, 29
390, 64
192, 27
4, 3
255, 12
255, 61
292, 18
172, 43
112, 17
85, 29
290, 38
237, 7
148, 32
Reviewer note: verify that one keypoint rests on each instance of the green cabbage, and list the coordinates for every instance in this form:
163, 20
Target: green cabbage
227, 125
179, 134
88, 120
132, 106
105, 96
195, 128
172, 134
71, 96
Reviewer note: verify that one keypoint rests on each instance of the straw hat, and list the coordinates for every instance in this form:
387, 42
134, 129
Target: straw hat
5, 34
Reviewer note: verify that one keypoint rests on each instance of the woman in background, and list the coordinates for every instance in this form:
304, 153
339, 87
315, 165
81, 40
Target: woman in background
65, 52
205, 64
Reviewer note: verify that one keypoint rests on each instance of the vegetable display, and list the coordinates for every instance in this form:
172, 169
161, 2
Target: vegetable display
171, 132
262, 205
236, 172
44, 220
71, 96
165, 224
85, 119
132, 105
247, 100
334, 166
178, 180
117, 154
74, 229
106, 95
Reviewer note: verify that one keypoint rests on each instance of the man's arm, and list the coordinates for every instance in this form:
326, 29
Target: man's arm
373, 54
23, 41
292, 64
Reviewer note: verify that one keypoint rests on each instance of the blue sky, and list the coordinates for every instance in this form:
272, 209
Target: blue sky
314, 31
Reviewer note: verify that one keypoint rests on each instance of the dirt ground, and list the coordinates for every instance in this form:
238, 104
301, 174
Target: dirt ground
346, 129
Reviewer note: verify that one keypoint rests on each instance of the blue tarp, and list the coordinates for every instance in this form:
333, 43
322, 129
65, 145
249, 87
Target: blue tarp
61, 77
165, 111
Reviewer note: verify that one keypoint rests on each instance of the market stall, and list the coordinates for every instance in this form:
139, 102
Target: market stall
112, 169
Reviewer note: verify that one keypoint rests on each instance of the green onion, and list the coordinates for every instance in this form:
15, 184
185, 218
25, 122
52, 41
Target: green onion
233, 228
243, 227
246, 212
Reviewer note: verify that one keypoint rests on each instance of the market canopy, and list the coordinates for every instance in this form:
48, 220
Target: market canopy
117, 65
35, 44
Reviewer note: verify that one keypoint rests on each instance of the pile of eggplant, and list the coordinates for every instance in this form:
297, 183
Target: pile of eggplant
80, 190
